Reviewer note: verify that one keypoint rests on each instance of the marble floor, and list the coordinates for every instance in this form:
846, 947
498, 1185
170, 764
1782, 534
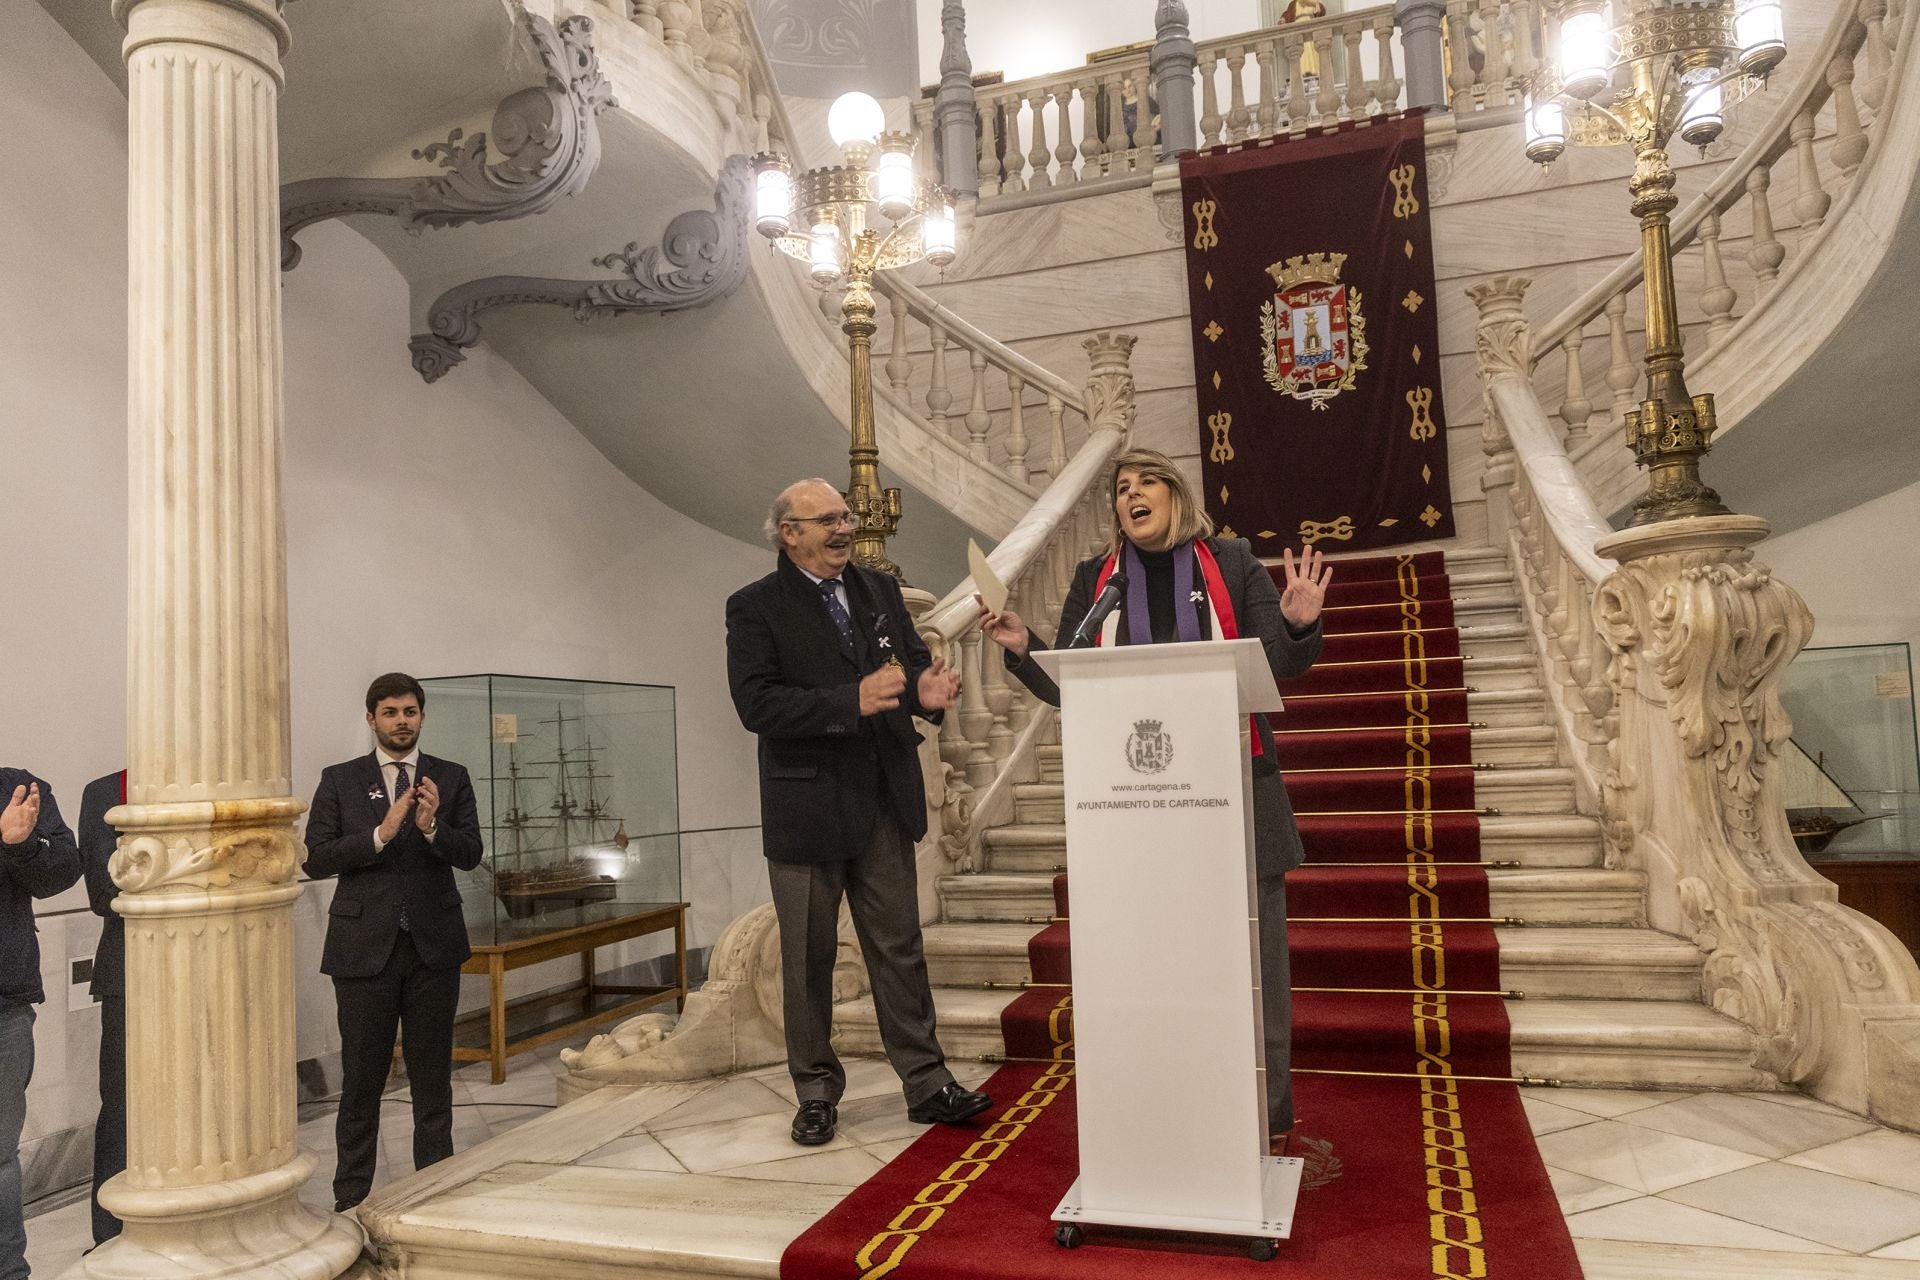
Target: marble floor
1654, 1184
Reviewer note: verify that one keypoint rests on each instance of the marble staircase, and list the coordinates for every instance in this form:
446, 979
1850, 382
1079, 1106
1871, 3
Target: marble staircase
1601, 997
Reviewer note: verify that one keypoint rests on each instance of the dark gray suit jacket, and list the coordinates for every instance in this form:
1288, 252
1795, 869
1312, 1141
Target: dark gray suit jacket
97, 843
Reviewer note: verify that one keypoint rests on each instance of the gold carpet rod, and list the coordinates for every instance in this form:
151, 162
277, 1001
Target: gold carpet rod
1488, 811
1388, 728
1377, 991
1532, 1081
1395, 662
1419, 865
1376, 693
1389, 631
1481, 766
1391, 604
1499, 920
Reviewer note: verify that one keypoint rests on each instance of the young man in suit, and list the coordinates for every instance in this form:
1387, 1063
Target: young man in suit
393, 825
38, 859
98, 840
826, 667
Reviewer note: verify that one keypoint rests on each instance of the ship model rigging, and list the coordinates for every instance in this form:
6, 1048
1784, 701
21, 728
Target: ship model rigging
526, 876
1810, 792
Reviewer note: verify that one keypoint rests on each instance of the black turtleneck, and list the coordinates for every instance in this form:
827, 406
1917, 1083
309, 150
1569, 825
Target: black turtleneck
1160, 610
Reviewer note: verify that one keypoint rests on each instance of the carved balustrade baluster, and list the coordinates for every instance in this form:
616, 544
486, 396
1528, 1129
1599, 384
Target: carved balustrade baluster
1092, 150
1718, 297
1388, 89
939, 399
1522, 63
645, 15
675, 18
1119, 144
1017, 443
697, 37
976, 718
989, 149
954, 748
1019, 701
1873, 89
1042, 155
1014, 152
1064, 151
1849, 139
1296, 85
978, 420
763, 136
899, 363
1210, 118
1267, 61
928, 135
997, 686
1357, 94
1622, 374
1056, 435
1576, 410
1459, 51
1146, 152
1811, 202
1239, 119
1327, 106
1493, 71
1765, 253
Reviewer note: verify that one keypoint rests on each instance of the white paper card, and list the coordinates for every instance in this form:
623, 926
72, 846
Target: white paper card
985, 580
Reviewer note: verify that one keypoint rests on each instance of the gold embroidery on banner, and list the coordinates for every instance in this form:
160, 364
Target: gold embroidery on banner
1268, 533
1431, 516
1420, 400
883, 1254
1406, 248
1412, 301
1389, 522
1226, 531
1426, 475
1213, 331
1405, 204
1223, 495
1341, 530
1453, 1221
1204, 236
1216, 379
1416, 353
1220, 424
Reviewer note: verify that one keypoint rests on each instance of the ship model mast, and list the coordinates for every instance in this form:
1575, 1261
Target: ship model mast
571, 880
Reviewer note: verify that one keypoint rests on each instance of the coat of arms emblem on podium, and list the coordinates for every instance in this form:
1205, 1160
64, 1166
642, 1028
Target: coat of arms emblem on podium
1149, 748
1315, 336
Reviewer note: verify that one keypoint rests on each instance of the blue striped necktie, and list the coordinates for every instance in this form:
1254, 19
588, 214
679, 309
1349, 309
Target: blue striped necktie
836, 610
400, 784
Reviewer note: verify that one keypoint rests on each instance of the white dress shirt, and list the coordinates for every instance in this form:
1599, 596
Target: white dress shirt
839, 586
389, 774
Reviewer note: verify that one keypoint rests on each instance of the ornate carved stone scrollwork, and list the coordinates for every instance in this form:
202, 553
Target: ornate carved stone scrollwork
955, 804
546, 140
158, 859
1110, 405
701, 259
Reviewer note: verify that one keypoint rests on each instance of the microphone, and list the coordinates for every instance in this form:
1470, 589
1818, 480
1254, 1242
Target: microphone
1105, 603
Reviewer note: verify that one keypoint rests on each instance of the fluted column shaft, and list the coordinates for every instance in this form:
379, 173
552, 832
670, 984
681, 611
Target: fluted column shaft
208, 852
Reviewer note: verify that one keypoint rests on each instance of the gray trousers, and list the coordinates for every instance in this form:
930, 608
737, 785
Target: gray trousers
880, 888
1276, 851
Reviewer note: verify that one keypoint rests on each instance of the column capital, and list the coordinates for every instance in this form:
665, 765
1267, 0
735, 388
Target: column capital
255, 29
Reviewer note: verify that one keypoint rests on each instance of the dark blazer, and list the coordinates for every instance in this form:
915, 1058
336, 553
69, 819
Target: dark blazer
364, 919
824, 769
1257, 616
97, 842
44, 865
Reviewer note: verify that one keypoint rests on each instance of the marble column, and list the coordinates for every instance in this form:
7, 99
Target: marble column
208, 852
1172, 63
954, 106
1423, 49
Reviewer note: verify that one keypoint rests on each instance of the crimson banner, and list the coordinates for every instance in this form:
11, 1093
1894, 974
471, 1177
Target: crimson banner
1316, 346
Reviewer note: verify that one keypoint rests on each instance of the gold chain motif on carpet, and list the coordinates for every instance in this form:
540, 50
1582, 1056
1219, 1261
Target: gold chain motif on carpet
883, 1254
1453, 1219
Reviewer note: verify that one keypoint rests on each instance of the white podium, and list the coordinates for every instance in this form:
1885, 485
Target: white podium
1168, 1046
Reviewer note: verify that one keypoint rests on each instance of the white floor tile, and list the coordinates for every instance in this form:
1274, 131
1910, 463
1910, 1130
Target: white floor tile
878, 1119
1643, 1160
1746, 1124
728, 1144
1884, 1156
1652, 1220
1577, 1192
866, 1078
642, 1151
846, 1168
1855, 1216
734, 1100
1905, 1249
1607, 1103
1550, 1117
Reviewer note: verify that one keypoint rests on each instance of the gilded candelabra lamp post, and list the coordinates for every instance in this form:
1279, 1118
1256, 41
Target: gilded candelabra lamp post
847, 221
1637, 72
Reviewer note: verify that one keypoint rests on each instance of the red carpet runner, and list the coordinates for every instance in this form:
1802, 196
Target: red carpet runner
1415, 1172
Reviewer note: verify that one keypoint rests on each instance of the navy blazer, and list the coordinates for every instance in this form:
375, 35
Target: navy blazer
364, 920
45, 864
97, 843
825, 770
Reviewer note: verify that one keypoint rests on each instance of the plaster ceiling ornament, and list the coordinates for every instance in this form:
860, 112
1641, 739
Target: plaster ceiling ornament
544, 145
821, 32
701, 259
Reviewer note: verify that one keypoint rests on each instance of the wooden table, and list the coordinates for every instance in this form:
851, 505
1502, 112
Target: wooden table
599, 1002
1883, 886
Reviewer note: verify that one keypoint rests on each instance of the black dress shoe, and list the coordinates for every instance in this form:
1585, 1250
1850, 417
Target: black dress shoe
814, 1123
949, 1106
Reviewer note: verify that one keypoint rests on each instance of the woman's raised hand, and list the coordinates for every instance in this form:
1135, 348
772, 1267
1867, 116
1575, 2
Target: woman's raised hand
1305, 592
1004, 629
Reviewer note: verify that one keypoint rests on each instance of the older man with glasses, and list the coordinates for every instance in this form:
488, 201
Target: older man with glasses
826, 667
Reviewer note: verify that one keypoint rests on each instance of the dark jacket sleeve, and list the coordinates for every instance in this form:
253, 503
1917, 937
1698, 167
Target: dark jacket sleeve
50, 859
1289, 653
1079, 601
331, 850
456, 837
767, 704
97, 841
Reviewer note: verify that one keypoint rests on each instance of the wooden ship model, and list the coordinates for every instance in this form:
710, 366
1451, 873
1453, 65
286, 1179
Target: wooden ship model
1810, 793
541, 866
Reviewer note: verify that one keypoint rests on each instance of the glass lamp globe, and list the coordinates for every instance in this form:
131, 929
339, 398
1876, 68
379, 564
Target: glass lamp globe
855, 119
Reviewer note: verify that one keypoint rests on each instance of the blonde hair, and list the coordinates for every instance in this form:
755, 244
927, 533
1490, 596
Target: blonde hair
1189, 518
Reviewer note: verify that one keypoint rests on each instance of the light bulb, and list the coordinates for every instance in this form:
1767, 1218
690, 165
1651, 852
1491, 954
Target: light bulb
1546, 131
1760, 32
940, 235
823, 253
855, 119
1700, 117
1584, 69
893, 180
772, 198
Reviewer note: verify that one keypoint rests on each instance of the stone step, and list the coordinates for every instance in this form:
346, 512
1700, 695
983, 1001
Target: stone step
1484, 608
1638, 1043
1583, 961
1565, 840
1573, 895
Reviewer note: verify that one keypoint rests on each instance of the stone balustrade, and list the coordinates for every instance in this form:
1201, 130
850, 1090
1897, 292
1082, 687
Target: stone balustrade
717, 40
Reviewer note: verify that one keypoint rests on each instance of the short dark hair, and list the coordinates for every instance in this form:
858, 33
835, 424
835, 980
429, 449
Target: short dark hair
394, 684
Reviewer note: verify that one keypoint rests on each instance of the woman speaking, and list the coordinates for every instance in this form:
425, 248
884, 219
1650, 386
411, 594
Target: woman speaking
1188, 585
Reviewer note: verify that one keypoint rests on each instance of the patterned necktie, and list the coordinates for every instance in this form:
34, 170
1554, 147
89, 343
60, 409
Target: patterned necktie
837, 611
400, 783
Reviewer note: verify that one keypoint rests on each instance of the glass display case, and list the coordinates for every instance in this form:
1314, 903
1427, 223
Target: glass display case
1853, 771
578, 791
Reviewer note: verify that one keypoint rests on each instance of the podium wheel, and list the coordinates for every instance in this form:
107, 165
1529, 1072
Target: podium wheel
1068, 1236
1263, 1250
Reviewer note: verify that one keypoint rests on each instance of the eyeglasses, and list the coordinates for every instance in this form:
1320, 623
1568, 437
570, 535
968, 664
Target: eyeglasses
846, 518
